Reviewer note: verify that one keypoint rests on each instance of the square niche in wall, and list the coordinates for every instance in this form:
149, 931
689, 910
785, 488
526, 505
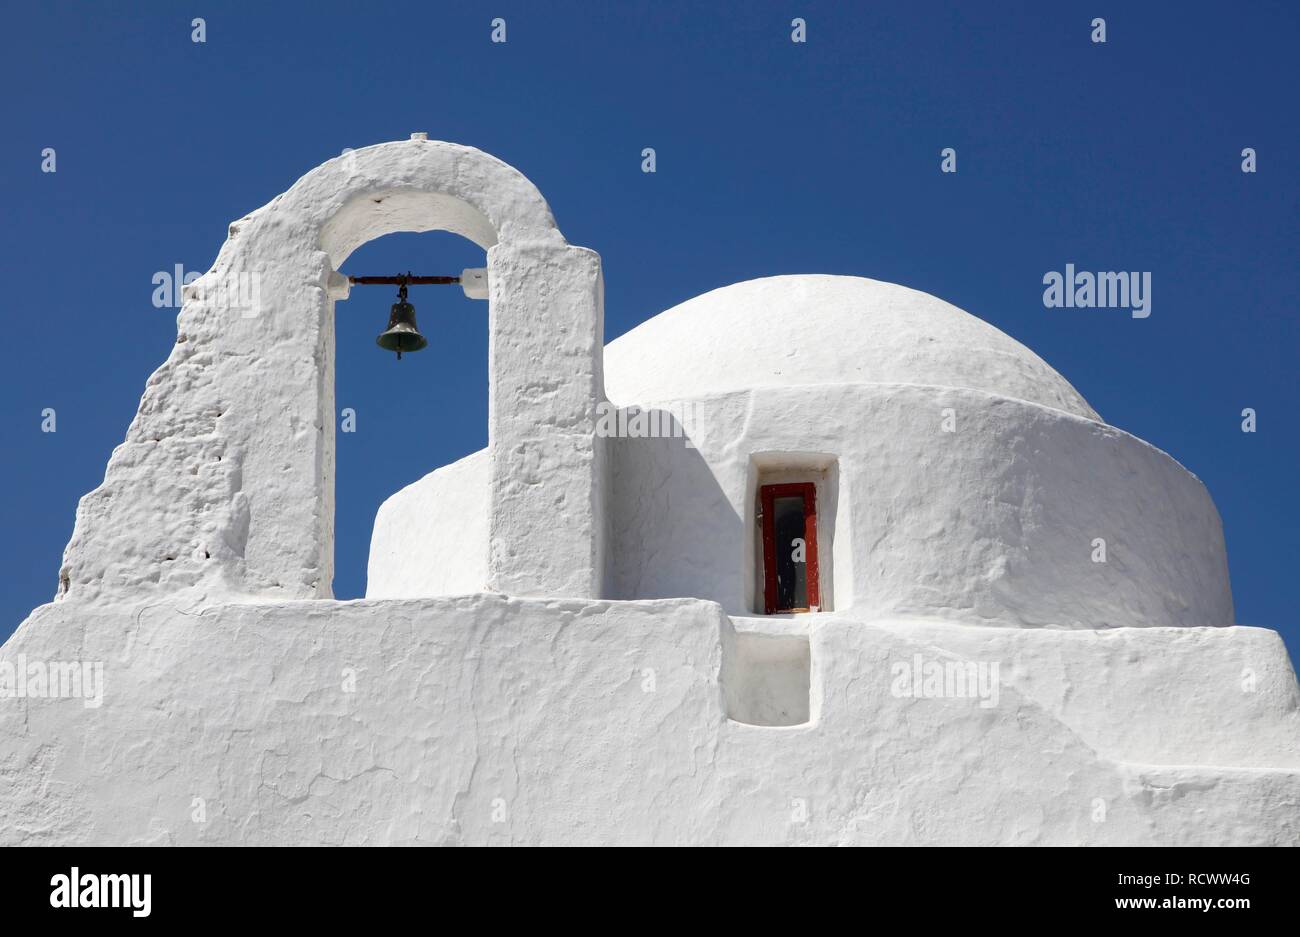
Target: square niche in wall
767, 679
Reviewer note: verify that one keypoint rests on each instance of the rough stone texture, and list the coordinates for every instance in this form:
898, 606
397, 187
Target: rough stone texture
225, 484
483, 719
546, 320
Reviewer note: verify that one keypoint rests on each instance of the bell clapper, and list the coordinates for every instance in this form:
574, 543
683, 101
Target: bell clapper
401, 298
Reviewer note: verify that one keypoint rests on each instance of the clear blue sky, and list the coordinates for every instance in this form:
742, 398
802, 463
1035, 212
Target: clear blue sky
772, 158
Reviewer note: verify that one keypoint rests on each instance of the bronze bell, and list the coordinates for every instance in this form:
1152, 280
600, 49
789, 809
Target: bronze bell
401, 334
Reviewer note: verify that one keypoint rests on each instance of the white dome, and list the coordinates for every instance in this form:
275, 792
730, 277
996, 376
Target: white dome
819, 329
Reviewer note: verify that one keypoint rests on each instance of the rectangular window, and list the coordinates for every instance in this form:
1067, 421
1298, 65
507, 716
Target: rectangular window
790, 547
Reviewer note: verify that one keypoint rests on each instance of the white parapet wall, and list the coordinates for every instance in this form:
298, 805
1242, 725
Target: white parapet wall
489, 720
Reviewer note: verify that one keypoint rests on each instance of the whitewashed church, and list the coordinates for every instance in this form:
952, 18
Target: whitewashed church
803, 560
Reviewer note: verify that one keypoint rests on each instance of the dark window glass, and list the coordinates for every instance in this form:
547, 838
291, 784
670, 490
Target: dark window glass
791, 552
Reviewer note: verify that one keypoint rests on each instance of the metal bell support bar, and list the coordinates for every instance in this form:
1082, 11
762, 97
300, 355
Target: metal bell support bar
403, 279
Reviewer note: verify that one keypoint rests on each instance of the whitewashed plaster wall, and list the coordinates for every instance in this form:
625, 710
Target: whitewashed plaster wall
484, 719
224, 485
991, 524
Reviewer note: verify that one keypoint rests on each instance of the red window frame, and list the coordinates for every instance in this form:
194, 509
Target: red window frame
767, 495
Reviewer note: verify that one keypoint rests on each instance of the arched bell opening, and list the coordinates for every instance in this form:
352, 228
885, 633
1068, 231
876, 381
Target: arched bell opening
398, 420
